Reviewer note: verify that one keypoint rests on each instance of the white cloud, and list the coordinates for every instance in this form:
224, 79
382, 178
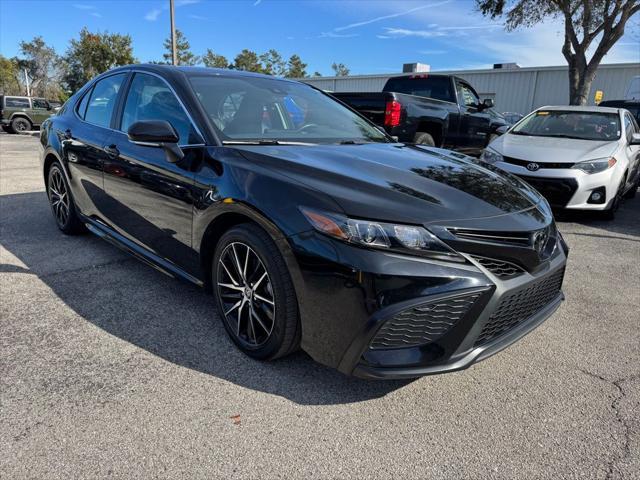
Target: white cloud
432, 52
84, 6
257, 2
95, 14
386, 17
153, 15
198, 17
405, 32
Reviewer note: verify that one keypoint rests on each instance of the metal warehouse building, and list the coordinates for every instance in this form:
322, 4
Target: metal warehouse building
512, 89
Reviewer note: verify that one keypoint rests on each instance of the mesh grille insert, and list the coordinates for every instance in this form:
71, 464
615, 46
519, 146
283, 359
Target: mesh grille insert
499, 268
424, 323
516, 307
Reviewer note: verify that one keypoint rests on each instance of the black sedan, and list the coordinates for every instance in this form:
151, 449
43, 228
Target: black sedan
312, 227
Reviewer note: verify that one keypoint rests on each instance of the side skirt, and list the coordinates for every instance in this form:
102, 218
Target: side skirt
165, 266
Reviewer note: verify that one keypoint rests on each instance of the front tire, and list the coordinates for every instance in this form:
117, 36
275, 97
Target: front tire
61, 202
254, 293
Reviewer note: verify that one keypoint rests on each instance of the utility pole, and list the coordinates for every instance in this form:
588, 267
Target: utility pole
174, 54
26, 81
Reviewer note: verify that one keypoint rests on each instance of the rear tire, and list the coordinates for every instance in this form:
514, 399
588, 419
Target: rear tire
422, 138
21, 125
254, 293
61, 202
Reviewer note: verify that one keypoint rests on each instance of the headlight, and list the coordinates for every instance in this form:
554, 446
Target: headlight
386, 236
595, 166
490, 156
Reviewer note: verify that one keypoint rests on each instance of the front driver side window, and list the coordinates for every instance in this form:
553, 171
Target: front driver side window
467, 96
150, 98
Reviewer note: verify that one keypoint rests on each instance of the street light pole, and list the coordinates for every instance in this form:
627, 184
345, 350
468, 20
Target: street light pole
174, 56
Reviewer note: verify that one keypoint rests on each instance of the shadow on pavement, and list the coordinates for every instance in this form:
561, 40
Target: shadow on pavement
171, 319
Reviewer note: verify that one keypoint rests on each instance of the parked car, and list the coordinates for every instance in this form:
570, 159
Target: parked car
20, 114
378, 258
512, 117
632, 105
426, 109
584, 158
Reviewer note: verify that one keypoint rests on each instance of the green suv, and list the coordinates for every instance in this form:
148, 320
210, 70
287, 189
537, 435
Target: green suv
20, 114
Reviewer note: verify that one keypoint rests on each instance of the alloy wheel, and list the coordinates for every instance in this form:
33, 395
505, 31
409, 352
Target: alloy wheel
59, 197
246, 294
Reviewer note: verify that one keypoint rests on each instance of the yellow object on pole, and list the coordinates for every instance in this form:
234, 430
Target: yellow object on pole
597, 98
174, 56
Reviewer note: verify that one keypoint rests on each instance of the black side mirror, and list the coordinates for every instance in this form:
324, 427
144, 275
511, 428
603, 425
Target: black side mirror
487, 103
635, 139
157, 133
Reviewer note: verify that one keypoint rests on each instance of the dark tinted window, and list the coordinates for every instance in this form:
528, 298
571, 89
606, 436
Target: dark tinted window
39, 103
150, 98
432, 87
103, 100
17, 102
245, 108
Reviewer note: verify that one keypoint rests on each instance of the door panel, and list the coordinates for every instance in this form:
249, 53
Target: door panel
84, 140
150, 200
475, 126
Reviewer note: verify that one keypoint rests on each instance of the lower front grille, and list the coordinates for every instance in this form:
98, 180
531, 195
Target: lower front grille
424, 323
557, 191
499, 268
516, 307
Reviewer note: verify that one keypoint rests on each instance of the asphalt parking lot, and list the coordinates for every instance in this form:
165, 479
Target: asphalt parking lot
110, 368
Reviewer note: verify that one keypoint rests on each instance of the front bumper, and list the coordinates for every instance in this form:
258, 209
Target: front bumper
569, 188
349, 294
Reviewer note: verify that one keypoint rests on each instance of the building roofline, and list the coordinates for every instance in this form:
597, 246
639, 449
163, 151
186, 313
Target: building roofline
462, 72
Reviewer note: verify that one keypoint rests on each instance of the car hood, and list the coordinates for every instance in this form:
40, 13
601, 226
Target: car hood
548, 149
396, 182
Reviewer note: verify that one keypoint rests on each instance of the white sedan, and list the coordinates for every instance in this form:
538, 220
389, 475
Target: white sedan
585, 158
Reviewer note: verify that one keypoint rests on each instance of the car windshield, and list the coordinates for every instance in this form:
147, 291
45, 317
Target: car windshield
263, 110
570, 124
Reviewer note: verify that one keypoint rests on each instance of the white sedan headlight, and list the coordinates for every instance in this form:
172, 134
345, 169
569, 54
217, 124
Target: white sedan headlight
595, 166
490, 156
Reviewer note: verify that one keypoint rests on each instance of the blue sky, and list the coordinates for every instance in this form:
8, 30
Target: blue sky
369, 36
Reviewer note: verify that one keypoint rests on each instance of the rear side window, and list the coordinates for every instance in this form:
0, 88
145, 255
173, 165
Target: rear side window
17, 102
102, 100
432, 87
150, 98
40, 103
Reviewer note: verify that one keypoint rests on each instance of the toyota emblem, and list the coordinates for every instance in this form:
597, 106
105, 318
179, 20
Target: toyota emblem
540, 239
532, 167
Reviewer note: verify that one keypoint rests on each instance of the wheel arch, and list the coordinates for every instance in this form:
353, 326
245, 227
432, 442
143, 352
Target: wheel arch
237, 214
433, 128
21, 115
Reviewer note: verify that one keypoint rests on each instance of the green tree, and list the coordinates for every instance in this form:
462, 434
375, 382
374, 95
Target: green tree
296, 68
316, 74
9, 72
273, 63
183, 51
93, 54
340, 69
586, 22
247, 60
211, 59
43, 66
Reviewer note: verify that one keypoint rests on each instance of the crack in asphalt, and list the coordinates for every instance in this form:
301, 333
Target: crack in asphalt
615, 406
